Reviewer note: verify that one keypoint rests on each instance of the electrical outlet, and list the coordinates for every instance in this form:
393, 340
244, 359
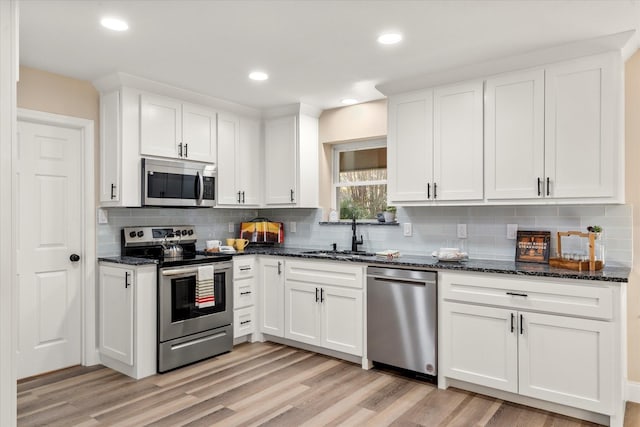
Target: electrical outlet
103, 217
512, 231
231, 227
407, 229
462, 231
292, 227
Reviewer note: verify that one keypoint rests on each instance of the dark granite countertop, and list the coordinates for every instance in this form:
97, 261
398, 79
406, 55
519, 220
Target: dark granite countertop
128, 260
608, 274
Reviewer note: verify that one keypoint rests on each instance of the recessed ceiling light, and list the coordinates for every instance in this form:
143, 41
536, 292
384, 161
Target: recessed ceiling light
349, 101
390, 38
258, 75
114, 24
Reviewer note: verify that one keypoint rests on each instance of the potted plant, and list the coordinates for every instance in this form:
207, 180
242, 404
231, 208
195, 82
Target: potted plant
389, 214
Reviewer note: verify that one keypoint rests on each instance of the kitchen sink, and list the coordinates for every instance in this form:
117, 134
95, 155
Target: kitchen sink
340, 254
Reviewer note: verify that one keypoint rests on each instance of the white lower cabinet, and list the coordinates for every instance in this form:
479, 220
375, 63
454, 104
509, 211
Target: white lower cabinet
324, 305
244, 291
127, 318
511, 334
271, 305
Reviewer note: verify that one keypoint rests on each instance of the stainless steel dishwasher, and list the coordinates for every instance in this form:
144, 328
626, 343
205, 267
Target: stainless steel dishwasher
402, 318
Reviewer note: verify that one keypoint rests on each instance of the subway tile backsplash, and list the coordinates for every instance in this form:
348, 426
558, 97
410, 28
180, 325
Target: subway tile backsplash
432, 227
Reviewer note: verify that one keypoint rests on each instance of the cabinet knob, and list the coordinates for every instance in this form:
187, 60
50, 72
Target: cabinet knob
74, 257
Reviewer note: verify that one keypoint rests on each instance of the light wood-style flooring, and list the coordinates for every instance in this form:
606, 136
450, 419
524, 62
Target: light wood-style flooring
266, 384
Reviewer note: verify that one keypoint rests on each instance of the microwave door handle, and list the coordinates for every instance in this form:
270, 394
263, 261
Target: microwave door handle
199, 188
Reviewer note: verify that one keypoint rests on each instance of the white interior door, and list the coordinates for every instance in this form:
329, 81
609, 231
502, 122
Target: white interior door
48, 173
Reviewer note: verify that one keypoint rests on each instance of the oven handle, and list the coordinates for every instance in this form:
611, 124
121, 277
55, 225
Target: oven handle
182, 271
198, 341
179, 271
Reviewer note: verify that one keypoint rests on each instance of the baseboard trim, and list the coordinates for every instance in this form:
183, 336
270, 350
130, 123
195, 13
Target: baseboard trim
633, 392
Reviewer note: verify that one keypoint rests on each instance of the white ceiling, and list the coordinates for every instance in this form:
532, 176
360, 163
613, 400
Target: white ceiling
316, 52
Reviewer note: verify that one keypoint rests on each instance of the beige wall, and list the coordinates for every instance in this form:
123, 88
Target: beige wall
347, 124
632, 185
43, 91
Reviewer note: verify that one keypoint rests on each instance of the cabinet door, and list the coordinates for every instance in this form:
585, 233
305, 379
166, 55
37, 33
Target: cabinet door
110, 152
342, 320
116, 313
457, 142
410, 146
248, 162
280, 140
302, 312
480, 345
199, 134
514, 136
581, 145
160, 126
272, 297
567, 360
228, 194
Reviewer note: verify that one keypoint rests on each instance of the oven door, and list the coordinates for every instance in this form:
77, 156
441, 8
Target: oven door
178, 315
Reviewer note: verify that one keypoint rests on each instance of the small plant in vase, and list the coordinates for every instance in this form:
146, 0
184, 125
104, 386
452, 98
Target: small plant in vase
390, 214
595, 229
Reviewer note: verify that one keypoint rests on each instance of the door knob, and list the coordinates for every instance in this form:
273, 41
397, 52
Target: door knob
74, 257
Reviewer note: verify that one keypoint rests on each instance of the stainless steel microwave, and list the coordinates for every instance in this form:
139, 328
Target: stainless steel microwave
181, 184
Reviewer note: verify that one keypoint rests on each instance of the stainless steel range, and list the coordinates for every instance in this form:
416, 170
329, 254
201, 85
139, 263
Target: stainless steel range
195, 298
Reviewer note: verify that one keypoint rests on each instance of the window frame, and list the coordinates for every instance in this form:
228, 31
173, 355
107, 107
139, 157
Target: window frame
335, 169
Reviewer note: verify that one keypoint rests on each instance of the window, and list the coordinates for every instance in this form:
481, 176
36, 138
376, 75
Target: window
360, 179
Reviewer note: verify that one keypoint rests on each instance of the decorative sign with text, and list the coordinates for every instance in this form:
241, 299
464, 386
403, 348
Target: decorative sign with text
533, 246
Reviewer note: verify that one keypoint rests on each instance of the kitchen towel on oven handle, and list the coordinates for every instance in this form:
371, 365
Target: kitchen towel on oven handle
204, 287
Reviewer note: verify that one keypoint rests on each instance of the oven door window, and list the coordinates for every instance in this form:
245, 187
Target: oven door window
183, 298
162, 185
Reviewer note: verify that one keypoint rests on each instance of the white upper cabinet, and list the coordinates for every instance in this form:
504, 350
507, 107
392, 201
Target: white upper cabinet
514, 135
280, 140
410, 146
228, 136
457, 142
170, 128
291, 156
199, 133
434, 145
110, 147
239, 161
119, 148
552, 134
249, 162
546, 135
582, 144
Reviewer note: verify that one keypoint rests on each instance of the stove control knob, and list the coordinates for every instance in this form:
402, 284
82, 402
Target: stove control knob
132, 234
176, 233
184, 232
190, 232
140, 233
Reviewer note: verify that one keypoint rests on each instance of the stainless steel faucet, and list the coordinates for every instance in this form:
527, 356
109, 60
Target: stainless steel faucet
354, 240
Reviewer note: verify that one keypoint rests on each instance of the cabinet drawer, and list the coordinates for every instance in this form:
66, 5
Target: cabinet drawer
244, 321
244, 266
325, 273
244, 291
549, 295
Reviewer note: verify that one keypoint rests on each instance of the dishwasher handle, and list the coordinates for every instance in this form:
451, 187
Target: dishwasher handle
396, 274
402, 281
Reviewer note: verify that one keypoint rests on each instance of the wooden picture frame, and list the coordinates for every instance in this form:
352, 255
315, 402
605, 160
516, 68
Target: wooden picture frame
533, 246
